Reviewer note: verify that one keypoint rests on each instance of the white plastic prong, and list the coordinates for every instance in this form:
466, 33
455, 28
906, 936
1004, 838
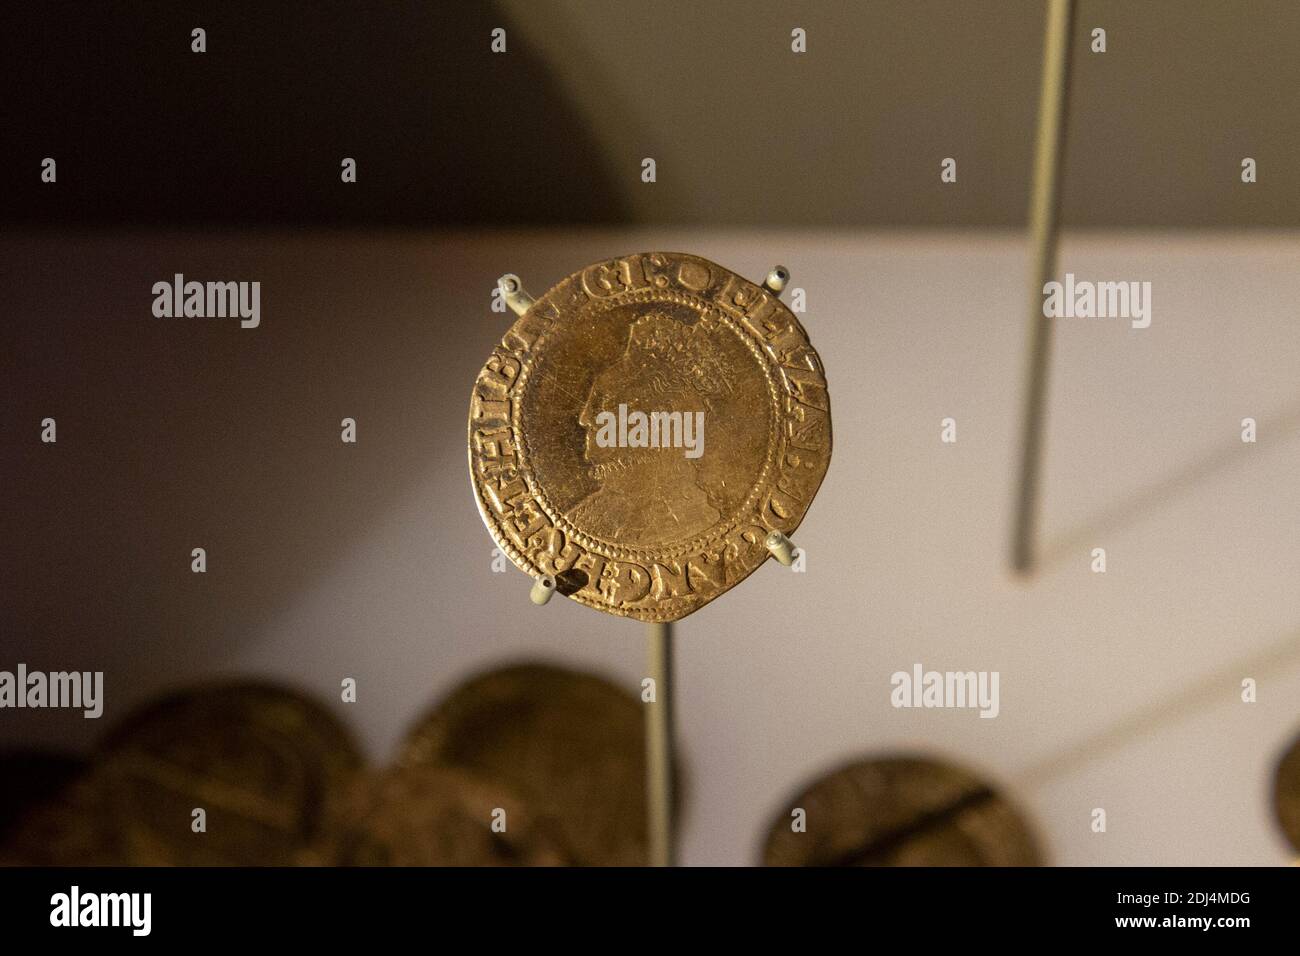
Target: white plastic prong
542, 590
512, 290
777, 279
782, 548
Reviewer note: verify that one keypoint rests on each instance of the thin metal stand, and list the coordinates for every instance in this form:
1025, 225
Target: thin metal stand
659, 745
1043, 214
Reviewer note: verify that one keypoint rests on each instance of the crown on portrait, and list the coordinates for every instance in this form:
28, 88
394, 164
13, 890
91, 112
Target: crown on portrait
681, 353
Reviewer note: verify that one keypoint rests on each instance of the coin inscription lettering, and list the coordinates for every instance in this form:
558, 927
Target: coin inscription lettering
729, 434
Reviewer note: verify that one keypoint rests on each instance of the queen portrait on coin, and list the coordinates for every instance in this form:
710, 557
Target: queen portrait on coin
645, 421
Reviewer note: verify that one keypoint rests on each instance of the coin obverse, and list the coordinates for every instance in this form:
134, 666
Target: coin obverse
641, 429
901, 811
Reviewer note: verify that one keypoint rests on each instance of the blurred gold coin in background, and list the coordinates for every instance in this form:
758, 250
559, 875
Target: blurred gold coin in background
1286, 794
259, 761
901, 811
31, 778
38, 804
438, 816
570, 744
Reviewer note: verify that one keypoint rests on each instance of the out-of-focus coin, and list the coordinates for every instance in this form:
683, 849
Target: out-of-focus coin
1286, 794
260, 761
641, 429
570, 744
39, 807
32, 778
438, 816
72, 828
901, 811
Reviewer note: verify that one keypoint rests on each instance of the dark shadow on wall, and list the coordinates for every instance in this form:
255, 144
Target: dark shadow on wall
174, 434
145, 131
745, 131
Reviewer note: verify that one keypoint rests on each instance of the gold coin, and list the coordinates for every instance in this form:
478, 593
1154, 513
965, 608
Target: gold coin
47, 819
33, 778
571, 744
901, 811
438, 816
1286, 794
642, 428
259, 761
69, 829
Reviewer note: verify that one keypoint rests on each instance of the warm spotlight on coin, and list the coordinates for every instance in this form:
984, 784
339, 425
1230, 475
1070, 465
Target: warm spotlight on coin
643, 427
